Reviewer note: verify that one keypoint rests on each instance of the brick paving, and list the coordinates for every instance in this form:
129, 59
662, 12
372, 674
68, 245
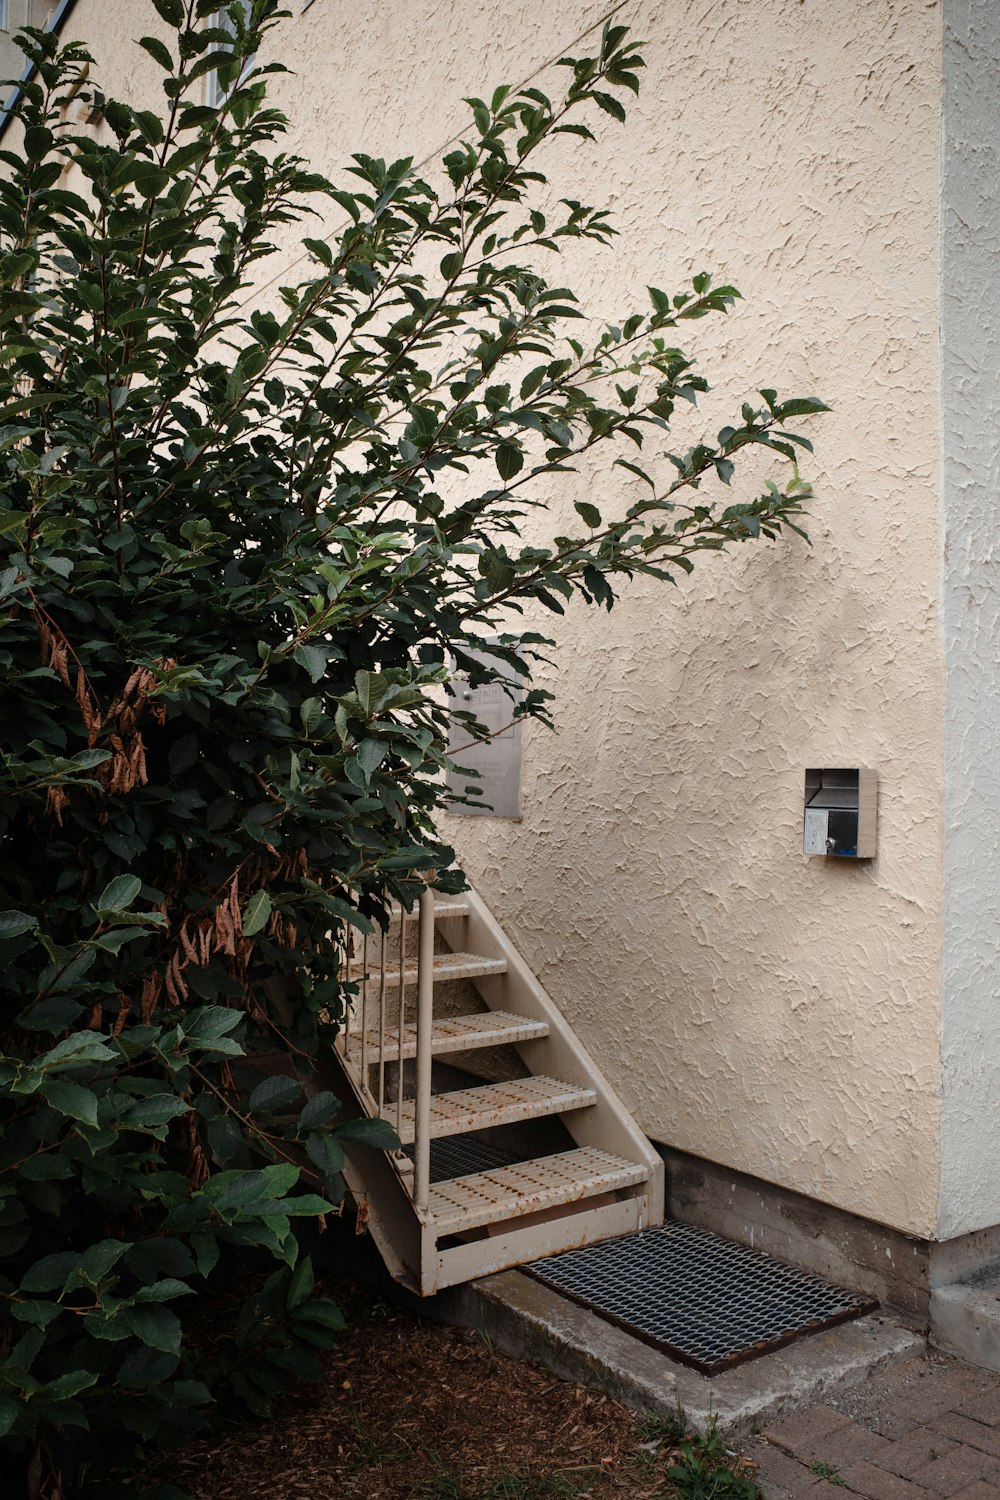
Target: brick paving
925, 1430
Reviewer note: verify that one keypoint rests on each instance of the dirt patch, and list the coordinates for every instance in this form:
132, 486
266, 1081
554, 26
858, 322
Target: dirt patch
411, 1409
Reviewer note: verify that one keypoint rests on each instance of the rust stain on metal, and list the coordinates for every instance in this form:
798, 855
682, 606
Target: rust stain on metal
497, 1104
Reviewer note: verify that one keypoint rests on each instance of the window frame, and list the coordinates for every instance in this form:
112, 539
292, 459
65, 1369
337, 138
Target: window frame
215, 96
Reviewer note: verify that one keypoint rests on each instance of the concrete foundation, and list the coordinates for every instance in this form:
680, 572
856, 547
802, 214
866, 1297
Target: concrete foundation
901, 1271
965, 1320
530, 1321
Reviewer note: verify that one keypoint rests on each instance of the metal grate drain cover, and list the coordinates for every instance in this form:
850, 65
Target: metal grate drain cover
697, 1297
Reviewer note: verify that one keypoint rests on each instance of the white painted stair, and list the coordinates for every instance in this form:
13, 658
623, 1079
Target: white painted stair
448, 967
527, 1187
462, 1034
432, 1235
464, 1110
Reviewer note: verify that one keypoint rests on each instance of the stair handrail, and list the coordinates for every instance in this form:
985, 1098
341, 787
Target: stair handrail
425, 1022
370, 1056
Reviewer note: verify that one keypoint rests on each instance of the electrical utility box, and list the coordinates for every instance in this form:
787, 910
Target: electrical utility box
840, 812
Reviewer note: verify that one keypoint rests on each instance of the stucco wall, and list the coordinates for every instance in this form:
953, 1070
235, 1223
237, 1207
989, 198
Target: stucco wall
774, 1014
970, 410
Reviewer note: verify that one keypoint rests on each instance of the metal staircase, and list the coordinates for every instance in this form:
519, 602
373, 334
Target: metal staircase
451, 1039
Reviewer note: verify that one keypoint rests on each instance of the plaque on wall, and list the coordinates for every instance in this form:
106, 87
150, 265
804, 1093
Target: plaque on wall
496, 791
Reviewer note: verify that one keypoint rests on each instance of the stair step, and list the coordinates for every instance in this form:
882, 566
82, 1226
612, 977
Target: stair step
445, 908
491, 1104
496, 1028
527, 1187
446, 966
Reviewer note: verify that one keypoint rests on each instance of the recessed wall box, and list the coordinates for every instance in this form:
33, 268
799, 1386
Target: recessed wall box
840, 812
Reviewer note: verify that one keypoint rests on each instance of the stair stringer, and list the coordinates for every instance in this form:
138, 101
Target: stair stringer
383, 1202
606, 1124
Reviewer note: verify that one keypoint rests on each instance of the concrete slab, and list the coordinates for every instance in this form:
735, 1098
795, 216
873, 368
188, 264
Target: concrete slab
965, 1320
530, 1321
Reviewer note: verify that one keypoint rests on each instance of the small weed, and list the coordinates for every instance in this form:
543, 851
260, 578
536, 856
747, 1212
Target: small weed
824, 1471
375, 1449
665, 1432
443, 1486
372, 1448
702, 1467
487, 1343
658, 1435
530, 1487
703, 1472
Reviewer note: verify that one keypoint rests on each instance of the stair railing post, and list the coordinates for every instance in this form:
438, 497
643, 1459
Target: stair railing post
425, 1022
402, 1020
348, 1003
363, 1003
381, 1025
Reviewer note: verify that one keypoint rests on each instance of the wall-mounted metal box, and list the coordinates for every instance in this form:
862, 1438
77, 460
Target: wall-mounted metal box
840, 812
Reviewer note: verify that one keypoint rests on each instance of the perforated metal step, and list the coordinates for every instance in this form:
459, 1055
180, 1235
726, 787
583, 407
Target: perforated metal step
494, 1028
463, 1110
699, 1298
447, 966
509, 1192
446, 908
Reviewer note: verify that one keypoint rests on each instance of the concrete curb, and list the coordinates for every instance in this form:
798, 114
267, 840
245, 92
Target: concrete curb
530, 1321
965, 1321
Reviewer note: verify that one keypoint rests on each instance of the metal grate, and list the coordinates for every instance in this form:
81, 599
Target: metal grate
459, 1155
697, 1297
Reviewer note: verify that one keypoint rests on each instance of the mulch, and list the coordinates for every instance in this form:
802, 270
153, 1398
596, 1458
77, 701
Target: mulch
413, 1409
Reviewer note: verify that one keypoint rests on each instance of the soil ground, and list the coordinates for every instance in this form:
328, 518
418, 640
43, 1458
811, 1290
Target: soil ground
415, 1411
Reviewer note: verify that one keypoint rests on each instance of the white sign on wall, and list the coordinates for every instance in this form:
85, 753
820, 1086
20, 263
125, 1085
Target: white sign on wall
496, 791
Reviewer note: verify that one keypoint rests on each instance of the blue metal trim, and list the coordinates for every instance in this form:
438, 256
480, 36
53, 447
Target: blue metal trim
54, 22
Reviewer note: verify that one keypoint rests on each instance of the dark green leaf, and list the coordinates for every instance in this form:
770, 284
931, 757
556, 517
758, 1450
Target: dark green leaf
171, 11
156, 1326
377, 1133
50, 1274
71, 1099
326, 1153
119, 894
509, 460
158, 52
38, 142
320, 1109
313, 659
14, 923
274, 1093
804, 406
256, 913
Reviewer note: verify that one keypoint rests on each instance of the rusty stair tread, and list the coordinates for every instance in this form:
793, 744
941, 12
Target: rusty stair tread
445, 908
490, 1028
529, 1187
447, 966
491, 1104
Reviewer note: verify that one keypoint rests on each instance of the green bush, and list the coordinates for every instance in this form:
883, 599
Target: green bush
240, 539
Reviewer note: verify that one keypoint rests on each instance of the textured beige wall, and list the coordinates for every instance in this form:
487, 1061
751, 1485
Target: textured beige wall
774, 1014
